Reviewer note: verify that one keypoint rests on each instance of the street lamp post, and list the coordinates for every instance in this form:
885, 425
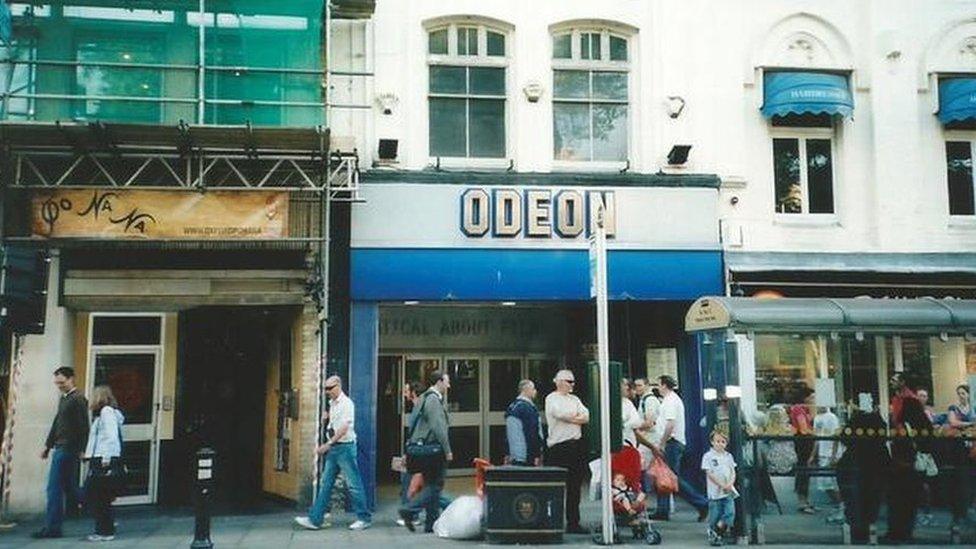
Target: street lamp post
598, 290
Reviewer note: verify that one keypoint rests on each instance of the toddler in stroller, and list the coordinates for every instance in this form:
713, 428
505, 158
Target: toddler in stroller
629, 502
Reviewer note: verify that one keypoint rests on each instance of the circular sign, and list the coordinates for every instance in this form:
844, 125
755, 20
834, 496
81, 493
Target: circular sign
525, 508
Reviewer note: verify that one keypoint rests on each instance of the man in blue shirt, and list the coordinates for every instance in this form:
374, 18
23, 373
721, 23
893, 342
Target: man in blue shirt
522, 427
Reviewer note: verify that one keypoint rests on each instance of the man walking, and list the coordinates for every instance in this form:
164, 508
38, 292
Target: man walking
566, 415
522, 427
65, 443
429, 427
648, 408
340, 455
672, 416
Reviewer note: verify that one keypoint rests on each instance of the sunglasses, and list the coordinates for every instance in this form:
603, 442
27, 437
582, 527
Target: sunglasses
331, 387
570, 381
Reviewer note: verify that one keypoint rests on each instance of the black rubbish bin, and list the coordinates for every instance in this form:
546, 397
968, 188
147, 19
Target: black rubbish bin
525, 504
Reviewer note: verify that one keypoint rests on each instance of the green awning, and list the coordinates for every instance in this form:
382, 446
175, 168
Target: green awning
819, 315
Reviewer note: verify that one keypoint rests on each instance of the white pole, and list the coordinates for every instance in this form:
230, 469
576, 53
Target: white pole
603, 357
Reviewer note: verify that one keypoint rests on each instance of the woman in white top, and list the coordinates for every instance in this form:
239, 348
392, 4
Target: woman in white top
104, 455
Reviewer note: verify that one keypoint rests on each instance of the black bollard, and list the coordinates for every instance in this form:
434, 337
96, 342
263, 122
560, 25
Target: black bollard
204, 492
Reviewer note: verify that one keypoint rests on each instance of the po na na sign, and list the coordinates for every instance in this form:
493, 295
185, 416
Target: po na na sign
535, 213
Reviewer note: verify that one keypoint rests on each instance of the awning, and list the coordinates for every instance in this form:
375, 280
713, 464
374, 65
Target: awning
820, 315
957, 99
806, 93
859, 262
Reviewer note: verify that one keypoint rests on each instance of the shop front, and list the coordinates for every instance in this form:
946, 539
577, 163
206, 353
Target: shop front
846, 364
486, 277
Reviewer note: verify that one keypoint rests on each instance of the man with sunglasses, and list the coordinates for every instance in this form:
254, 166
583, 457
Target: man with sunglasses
565, 415
340, 455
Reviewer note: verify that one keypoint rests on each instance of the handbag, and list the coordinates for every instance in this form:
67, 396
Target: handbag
422, 455
665, 481
116, 470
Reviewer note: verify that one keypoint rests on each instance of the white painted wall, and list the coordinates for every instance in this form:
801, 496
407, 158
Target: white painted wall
889, 168
38, 401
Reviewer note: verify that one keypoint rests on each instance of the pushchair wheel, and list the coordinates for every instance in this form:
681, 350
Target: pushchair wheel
652, 537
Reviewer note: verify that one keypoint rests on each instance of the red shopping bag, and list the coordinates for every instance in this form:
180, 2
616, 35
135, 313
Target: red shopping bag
665, 481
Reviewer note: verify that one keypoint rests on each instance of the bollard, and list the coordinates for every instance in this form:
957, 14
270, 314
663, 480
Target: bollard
204, 492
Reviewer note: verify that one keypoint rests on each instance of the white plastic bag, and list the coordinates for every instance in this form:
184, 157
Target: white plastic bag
461, 519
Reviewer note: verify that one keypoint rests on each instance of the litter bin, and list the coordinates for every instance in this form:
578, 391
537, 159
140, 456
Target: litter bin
525, 504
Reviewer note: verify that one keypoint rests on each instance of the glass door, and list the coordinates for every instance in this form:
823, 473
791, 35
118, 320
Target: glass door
464, 402
133, 377
501, 387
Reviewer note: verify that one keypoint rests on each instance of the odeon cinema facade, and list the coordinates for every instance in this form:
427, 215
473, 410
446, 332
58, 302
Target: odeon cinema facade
486, 277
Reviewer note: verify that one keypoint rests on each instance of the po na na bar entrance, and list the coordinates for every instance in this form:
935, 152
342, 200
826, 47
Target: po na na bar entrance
839, 408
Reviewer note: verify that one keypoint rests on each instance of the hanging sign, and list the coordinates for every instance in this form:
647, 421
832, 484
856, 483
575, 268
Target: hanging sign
163, 215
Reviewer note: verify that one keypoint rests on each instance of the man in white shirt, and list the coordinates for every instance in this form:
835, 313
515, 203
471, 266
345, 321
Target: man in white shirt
566, 415
630, 418
648, 408
340, 455
672, 417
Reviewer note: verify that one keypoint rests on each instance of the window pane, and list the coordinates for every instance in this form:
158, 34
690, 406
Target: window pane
562, 46
496, 44
467, 41
571, 84
589, 45
448, 80
437, 42
571, 131
465, 393
610, 85
609, 132
486, 81
618, 49
126, 330
447, 123
487, 128
102, 80
959, 172
820, 177
786, 175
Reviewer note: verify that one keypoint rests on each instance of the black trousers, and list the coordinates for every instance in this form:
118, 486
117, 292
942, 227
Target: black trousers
99, 493
569, 455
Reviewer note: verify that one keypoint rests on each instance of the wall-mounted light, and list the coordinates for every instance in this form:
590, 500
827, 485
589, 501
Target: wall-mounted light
508, 303
411, 302
533, 91
675, 104
387, 102
678, 155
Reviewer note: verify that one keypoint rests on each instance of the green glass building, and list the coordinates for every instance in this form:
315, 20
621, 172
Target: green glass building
223, 62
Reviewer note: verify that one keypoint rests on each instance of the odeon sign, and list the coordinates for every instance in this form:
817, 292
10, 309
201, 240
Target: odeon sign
535, 213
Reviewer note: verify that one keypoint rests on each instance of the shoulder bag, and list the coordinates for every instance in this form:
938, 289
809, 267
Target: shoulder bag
423, 455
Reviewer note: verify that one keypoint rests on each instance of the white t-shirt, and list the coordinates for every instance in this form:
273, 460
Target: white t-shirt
342, 411
559, 410
721, 466
824, 425
630, 421
650, 409
673, 409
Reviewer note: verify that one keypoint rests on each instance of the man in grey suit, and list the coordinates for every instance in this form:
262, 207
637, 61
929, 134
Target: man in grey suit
431, 425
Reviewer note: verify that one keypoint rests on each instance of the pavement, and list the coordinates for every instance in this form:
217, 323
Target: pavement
151, 527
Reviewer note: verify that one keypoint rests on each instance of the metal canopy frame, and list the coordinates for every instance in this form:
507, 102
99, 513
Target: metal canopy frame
825, 315
98, 155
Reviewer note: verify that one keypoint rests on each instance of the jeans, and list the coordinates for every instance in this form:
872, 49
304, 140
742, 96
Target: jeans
672, 454
428, 498
99, 494
60, 484
341, 457
405, 477
721, 510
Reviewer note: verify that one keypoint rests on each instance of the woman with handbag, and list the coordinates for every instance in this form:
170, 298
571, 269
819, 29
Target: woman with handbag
105, 468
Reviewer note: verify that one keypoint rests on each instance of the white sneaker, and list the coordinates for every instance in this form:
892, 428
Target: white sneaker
99, 537
360, 525
305, 523
401, 522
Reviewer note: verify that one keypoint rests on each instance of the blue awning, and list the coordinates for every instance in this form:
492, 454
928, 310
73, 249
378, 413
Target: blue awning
957, 99
806, 93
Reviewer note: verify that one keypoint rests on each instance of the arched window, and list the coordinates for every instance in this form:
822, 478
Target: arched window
467, 90
590, 95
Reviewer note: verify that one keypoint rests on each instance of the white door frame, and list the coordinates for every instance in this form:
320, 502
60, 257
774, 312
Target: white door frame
150, 433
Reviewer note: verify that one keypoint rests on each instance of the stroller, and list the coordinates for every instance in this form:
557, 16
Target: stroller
627, 462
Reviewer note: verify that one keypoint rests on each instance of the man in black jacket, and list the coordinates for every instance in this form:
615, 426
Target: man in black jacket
67, 439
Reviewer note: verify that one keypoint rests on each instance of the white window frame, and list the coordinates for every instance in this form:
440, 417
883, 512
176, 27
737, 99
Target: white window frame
482, 60
802, 135
604, 64
970, 137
